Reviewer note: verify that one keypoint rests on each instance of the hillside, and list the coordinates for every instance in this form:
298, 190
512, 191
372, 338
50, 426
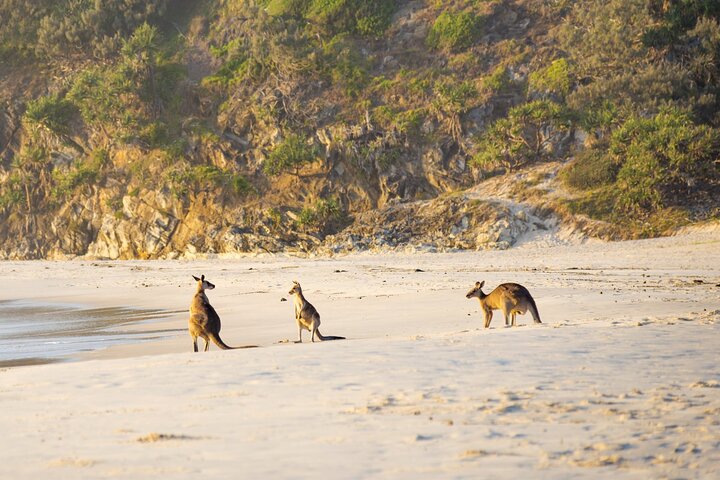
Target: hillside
152, 129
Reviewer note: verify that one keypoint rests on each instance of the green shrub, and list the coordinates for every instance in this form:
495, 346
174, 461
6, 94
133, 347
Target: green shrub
51, 112
452, 100
591, 169
347, 68
454, 96
555, 79
184, 178
366, 17
407, 122
499, 80
320, 217
676, 18
630, 90
601, 116
30, 177
274, 217
454, 31
234, 60
601, 36
212, 175
48, 29
664, 159
524, 136
410, 121
291, 154
98, 94
260, 47
85, 172
600, 39
704, 59
293, 8
136, 96
639, 180
114, 98
12, 191
154, 134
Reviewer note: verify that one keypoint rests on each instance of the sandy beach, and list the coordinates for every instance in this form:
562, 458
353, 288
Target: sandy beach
620, 381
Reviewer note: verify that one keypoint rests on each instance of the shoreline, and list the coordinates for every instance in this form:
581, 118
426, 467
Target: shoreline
37, 332
161, 284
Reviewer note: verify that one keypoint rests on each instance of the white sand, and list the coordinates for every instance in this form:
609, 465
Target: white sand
621, 381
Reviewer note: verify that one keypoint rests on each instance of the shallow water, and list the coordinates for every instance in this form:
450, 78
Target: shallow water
33, 333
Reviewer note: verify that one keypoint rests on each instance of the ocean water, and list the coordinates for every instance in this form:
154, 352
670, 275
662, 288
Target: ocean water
32, 333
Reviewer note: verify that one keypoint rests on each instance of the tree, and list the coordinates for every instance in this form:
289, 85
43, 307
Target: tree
452, 101
140, 54
291, 154
526, 135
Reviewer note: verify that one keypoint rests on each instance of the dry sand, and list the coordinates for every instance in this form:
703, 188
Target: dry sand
621, 381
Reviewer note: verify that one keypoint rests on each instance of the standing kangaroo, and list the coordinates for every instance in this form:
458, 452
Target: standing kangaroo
204, 321
511, 298
306, 316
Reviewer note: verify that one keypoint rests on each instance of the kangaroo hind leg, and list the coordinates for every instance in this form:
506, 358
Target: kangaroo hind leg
508, 315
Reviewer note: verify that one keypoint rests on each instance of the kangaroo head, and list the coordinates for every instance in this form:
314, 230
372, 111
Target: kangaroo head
295, 288
476, 291
203, 284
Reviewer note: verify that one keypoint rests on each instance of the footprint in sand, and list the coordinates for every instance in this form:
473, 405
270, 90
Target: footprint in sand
164, 437
72, 462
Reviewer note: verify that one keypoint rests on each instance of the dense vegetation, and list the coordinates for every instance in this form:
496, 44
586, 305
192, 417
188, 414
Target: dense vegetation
625, 92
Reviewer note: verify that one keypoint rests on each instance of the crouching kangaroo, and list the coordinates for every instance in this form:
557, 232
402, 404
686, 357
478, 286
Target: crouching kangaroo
306, 316
511, 298
204, 321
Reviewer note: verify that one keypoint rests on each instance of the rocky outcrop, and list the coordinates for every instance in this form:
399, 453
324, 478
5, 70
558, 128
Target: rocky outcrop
143, 230
454, 222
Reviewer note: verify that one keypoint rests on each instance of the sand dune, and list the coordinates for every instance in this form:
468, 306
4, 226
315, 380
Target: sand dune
620, 381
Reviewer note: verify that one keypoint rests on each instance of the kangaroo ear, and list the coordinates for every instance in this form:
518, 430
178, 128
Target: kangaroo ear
196, 279
202, 277
480, 284
295, 282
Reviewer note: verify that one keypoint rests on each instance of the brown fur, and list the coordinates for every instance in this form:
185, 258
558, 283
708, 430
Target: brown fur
204, 321
511, 298
306, 316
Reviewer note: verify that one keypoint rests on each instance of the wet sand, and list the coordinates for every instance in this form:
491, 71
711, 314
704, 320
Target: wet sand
34, 333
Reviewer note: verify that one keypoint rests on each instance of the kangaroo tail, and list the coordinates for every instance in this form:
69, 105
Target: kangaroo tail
533, 310
218, 341
329, 337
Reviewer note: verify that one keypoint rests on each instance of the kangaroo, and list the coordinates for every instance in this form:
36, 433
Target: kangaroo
511, 298
204, 321
306, 316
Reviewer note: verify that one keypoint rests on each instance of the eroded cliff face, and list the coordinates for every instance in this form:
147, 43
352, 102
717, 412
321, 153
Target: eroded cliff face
172, 144
389, 191
402, 205
89, 185
118, 216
